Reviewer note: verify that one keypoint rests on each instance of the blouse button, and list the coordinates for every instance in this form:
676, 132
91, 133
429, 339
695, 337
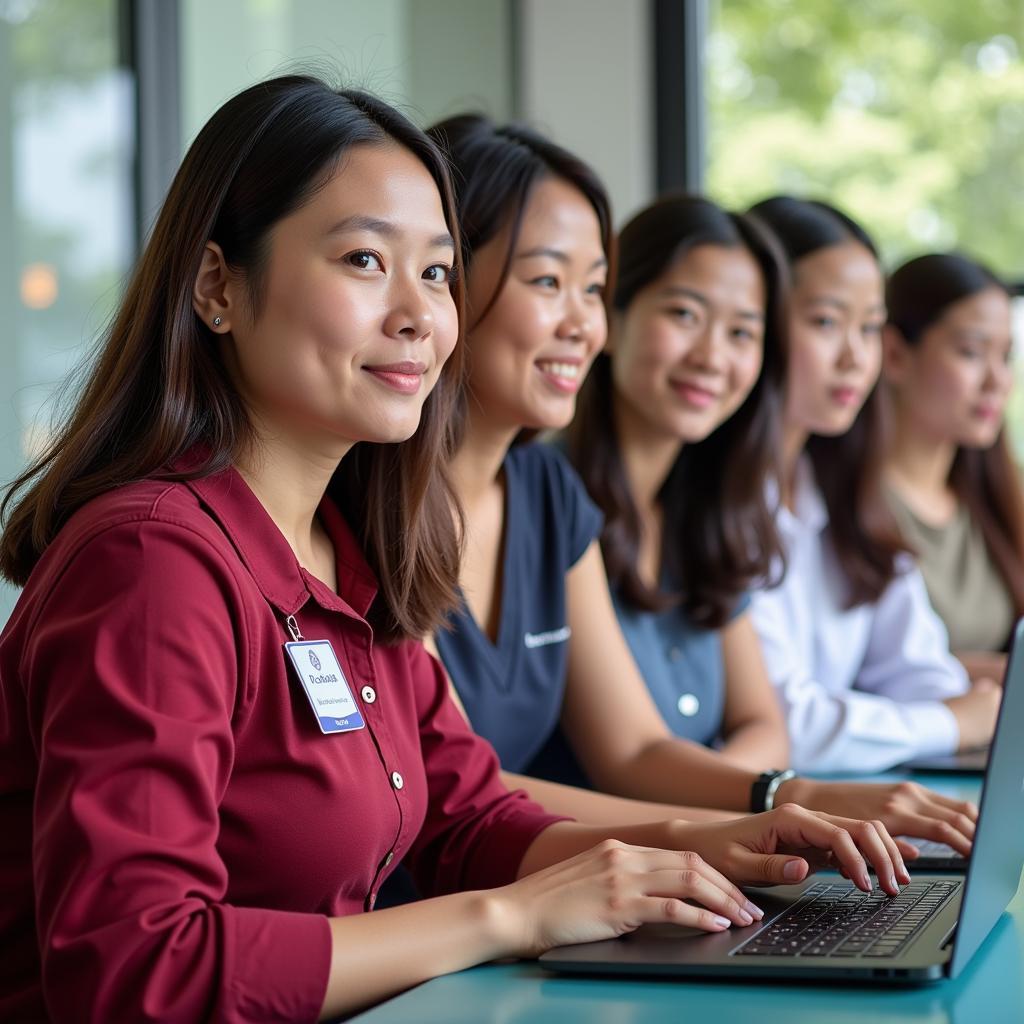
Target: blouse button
396, 780
674, 654
369, 694
389, 858
688, 705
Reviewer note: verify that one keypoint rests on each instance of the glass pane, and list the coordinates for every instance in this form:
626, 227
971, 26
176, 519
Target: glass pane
910, 115
66, 205
428, 57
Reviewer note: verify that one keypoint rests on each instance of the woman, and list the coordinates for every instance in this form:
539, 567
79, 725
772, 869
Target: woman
951, 479
674, 436
192, 832
858, 657
535, 641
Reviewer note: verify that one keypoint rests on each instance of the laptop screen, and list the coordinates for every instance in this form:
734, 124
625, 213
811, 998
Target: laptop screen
994, 871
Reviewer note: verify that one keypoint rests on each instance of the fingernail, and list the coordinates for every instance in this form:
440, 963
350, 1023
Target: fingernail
745, 918
722, 922
792, 870
754, 910
892, 881
865, 882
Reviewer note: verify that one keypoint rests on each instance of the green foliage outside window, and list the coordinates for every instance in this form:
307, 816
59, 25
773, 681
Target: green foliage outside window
908, 115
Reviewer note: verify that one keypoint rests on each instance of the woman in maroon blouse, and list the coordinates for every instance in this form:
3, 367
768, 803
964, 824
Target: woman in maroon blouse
218, 733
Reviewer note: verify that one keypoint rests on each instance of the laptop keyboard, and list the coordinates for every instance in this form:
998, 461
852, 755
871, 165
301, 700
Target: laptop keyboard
838, 920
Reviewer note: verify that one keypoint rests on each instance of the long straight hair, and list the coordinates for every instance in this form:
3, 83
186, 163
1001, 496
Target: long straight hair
158, 387
847, 467
985, 480
719, 534
495, 169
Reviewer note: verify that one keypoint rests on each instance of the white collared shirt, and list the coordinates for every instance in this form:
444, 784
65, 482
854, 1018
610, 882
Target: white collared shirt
861, 688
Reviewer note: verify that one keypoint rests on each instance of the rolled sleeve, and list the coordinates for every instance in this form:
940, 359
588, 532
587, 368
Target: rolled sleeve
476, 832
133, 675
835, 727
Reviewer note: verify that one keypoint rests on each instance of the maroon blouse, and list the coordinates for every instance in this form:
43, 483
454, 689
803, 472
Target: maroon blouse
174, 827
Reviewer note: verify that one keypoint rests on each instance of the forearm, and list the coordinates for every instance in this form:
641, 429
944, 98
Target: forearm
983, 664
757, 745
374, 956
675, 771
566, 839
592, 808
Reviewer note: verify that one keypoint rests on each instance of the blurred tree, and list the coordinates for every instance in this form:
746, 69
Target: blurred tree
908, 115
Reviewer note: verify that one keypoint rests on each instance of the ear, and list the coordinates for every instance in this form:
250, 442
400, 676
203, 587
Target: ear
212, 293
896, 355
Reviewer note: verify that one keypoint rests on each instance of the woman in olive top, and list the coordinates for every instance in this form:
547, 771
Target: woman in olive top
951, 479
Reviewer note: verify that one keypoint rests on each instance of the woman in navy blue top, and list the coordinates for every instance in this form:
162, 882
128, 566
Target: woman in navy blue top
536, 637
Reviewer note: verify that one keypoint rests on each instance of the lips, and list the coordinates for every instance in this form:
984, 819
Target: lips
845, 396
694, 394
563, 375
404, 377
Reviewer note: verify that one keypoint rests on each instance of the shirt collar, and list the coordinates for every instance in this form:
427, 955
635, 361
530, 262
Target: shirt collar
809, 514
268, 556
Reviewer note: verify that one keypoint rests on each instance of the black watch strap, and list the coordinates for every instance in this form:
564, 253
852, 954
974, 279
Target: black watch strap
762, 792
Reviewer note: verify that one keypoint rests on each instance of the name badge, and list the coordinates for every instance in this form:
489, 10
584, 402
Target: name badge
325, 684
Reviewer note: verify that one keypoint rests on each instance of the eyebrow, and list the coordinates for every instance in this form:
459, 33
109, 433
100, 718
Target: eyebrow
559, 255
676, 289
831, 300
385, 228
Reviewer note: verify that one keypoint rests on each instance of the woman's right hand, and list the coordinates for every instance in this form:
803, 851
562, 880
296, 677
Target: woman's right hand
976, 713
612, 889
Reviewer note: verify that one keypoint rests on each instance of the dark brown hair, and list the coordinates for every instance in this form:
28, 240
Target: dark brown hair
986, 481
719, 534
158, 387
848, 467
494, 170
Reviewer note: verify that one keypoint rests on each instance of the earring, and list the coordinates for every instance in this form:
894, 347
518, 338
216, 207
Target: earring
217, 321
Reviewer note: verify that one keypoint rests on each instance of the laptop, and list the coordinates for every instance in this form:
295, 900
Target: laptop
963, 763
826, 928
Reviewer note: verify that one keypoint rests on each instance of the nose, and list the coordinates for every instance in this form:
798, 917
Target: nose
853, 352
709, 349
998, 374
580, 322
410, 316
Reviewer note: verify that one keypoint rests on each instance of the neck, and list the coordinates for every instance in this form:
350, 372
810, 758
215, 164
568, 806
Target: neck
290, 480
917, 461
647, 455
475, 467
794, 440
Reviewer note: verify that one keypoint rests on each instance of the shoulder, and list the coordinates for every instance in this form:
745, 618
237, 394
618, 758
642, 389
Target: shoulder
147, 526
539, 467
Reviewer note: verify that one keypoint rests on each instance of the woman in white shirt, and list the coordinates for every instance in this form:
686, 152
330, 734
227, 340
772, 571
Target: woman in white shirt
859, 659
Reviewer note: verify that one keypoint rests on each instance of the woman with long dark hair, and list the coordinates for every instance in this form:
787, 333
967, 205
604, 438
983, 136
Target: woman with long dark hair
952, 481
674, 437
858, 657
535, 642
219, 731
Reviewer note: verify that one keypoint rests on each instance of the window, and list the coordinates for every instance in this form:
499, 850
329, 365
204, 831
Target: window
66, 209
908, 116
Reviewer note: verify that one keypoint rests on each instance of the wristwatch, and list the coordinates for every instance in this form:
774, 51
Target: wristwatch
762, 793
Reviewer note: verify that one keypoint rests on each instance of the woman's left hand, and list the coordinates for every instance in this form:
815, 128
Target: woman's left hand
785, 844
905, 808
